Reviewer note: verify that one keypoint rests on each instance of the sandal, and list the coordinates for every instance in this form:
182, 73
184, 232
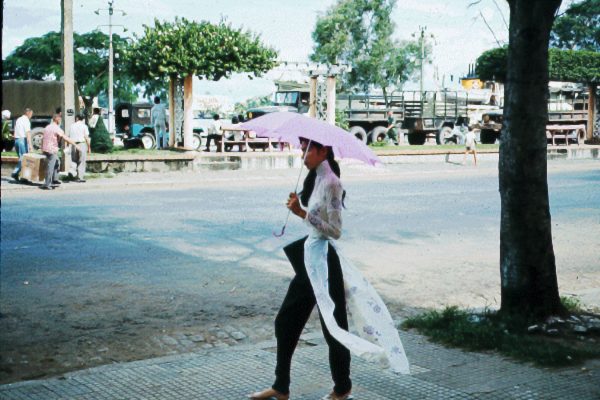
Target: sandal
269, 394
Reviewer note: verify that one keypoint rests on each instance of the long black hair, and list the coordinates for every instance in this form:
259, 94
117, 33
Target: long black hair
309, 182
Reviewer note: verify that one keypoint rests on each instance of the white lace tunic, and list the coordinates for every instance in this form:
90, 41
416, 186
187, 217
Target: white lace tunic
372, 334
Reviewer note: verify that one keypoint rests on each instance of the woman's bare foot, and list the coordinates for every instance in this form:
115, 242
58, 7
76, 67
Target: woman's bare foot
269, 394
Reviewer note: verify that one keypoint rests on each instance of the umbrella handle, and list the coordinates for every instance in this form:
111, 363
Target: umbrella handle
295, 191
284, 226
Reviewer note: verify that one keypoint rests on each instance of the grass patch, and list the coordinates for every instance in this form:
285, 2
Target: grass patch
489, 331
384, 146
137, 150
572, 304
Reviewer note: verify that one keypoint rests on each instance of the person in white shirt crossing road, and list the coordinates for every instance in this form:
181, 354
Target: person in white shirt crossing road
22, 138
80, 134
470, 141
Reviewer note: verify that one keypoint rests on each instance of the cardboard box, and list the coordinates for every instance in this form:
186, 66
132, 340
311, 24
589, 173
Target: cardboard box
33, 167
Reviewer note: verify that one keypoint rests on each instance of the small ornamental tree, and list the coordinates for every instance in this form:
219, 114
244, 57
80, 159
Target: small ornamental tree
184, 48
206, 50
100, 138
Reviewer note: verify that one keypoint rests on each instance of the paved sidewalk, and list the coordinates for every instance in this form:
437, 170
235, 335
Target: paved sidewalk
232, 373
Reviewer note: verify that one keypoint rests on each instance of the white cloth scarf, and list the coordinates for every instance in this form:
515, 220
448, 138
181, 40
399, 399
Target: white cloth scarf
372, 334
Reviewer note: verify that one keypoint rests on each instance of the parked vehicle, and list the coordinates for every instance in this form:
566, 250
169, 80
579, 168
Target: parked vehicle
432, 115
43, 97
133, 126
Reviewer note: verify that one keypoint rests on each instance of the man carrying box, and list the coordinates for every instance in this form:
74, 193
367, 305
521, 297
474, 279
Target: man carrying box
50, 148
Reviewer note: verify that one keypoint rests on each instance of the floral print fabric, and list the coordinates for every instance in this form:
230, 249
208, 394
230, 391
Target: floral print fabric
372, 334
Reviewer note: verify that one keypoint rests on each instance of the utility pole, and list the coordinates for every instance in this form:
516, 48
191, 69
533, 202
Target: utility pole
111, 10
68, 71
422, 57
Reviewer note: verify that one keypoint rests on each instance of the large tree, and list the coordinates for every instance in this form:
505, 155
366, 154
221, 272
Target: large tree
359, 33
40, 58
527, 265
578, 28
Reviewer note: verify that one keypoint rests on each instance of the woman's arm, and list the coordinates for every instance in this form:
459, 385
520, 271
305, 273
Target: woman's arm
333, 202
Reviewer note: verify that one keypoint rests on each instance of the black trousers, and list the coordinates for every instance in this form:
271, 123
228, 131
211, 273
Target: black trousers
295, 311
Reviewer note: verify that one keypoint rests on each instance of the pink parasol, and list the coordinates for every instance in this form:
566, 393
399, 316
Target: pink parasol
290, 127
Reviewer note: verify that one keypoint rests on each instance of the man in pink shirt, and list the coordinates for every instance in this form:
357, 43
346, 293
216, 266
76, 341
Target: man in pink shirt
50, 149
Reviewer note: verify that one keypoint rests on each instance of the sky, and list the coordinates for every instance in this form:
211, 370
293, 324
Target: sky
458, 30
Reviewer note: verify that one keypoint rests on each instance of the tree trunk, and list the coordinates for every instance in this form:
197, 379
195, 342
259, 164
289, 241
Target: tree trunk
88, 101
188, 114
527, 265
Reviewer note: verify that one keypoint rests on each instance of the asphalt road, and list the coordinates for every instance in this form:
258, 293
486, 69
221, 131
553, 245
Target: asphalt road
115, 262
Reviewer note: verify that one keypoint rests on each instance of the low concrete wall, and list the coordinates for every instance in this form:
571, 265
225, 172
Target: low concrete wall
195, 161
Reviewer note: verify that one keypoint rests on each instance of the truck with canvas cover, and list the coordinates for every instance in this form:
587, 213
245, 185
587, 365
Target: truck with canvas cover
43, 97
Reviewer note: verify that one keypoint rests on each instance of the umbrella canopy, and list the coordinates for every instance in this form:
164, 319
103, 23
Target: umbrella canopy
290, 127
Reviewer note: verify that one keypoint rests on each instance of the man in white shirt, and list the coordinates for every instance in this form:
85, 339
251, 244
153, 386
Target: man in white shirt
81, 136
214, 132
470, 141
22, 138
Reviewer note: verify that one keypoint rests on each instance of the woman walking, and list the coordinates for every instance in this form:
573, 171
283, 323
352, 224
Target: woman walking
329, 281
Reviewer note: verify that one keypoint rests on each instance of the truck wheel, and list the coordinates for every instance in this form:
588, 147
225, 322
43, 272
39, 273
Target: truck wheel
444, 135
148, 141
36, 138
359, 133
417, 138
488, 136
196, 141
378, 134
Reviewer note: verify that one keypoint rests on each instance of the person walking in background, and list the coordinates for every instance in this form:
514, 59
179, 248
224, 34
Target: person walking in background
22, 137
158, 116
81, 136
214, 132
391, 128
52, 132
470, 141
94, 118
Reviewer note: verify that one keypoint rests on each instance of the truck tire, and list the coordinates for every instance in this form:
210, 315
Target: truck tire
417, 137
488, 136
359, 133
443, 135
148, 140
36, 138
378, 134
196, 141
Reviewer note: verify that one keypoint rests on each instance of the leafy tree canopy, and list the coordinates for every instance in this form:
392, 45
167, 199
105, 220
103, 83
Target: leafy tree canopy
359, 33
40, 58
564, 65
209, 51
578, 28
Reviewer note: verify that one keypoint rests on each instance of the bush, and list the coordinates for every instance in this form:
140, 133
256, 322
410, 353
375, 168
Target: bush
100, 138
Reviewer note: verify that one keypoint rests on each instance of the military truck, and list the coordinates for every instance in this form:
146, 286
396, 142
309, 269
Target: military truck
431, 115
43, 97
